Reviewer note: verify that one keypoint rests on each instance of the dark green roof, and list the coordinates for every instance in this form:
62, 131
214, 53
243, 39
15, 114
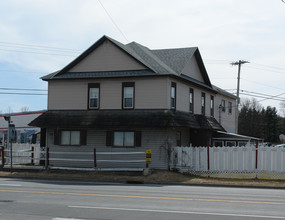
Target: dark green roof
110, 119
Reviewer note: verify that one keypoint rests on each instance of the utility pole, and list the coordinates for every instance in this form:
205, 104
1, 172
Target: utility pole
9, 144
239, 63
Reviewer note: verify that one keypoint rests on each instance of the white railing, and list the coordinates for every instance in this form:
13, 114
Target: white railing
249, 161
23, 154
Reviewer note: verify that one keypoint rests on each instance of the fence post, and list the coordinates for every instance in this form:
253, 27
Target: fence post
32, 157
95, 160
208, 160
256, 158
2, 157
47, 158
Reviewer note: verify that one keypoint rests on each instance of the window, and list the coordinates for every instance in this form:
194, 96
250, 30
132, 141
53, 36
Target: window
230, 108
191, 101
230, 143
123, 138
93, 95
173, 96
223, 105
128, 95
70, 138
203, 101
212, 106
218, 143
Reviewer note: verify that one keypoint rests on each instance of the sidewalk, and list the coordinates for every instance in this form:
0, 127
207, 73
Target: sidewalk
156, 177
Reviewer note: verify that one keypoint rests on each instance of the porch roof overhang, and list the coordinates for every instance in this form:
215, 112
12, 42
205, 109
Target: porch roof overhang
112, 119
220, 135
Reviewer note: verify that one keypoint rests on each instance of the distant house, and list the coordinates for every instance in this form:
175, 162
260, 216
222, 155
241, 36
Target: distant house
24, 132
117, 97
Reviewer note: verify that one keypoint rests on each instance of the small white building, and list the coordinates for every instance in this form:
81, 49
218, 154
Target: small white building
24, 132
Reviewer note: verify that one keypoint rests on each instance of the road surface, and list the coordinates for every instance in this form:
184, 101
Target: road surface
22, 199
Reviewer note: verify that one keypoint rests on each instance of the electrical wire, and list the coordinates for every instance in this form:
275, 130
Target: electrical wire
53, 54
9, 44
45, 90
112, 20
20, 93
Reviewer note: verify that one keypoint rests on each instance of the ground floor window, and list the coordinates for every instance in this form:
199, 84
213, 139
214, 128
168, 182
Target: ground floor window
230, 143
123, 138
218, 143
70, 138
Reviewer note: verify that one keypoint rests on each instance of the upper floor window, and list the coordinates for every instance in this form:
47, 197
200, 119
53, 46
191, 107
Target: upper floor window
212, 106
203, 102
128, 95
230, 108
223, 105
173, 95
191, 101
93, 95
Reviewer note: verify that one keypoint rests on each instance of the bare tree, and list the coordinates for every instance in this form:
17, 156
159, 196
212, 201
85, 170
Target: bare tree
25, 109
282, 108
9, 110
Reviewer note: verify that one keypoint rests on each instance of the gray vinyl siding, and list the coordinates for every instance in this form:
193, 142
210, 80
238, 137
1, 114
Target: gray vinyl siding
155, 139
107, 57
192, 70
150, 93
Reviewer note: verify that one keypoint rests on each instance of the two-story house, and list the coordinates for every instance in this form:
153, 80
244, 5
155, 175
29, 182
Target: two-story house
117, 97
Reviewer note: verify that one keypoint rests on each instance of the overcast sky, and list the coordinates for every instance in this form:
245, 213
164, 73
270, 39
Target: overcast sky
38, 37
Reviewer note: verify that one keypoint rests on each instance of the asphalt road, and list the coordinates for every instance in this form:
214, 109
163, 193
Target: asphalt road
22, 199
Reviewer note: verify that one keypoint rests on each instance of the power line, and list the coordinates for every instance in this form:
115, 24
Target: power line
54, 54
45, 90
20, 93
112, 20
275, 71
37, 46
267, 66
265, 98
262, 84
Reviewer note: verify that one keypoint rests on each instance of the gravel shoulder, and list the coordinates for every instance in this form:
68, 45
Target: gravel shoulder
155, 177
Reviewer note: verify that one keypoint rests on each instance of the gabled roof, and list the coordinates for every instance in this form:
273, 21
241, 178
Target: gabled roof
157, 62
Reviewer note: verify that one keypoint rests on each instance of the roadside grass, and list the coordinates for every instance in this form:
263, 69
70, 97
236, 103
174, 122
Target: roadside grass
155, 177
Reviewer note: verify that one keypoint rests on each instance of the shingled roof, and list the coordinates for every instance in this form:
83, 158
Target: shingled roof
104, 119
157, 62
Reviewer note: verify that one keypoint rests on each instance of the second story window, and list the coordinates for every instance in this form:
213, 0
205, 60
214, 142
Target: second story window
230, 108
212, 106
191, 101
203, 102
223, 105
173, 96
128, 95
93, 95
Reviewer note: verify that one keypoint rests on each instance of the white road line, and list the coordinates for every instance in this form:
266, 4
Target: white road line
180, 212
7, 184
66, 219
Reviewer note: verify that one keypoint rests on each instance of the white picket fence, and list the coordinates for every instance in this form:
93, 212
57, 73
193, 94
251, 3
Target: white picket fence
237, 162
